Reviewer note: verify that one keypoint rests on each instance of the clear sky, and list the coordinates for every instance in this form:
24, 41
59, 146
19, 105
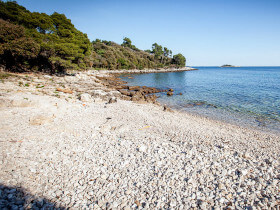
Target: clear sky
206, 32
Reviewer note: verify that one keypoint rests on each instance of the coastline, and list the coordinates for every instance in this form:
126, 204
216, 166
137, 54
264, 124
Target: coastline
81, 145
145, 71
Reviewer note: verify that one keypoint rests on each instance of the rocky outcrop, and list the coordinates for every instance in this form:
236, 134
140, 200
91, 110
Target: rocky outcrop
131, 93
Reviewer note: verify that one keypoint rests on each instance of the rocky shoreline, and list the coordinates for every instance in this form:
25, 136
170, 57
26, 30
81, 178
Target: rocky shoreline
85, 141
146, 71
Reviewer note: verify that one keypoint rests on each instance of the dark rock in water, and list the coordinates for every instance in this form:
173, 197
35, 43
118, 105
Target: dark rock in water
180, 94
188, 105
169, 93
199, 103
171, 90
211, 105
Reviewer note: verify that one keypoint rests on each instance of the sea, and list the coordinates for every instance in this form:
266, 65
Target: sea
247, 96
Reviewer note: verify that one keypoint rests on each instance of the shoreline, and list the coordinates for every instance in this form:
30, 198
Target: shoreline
75, 143
146, 71
226, 116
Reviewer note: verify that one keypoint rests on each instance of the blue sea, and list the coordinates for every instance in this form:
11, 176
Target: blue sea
248, 96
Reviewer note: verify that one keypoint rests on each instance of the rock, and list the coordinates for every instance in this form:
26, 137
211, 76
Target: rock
114, 93
48, 77
124, 92
173, 203
64, 90
169, 93
137, 203
171, 90
142, 148
134, 88
25, 102
112, 100
126, 98
100, 94
127, 192
166, 108
85, 97
151, 98
40, 120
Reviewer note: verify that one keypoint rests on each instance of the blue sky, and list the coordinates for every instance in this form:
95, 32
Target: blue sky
207, 32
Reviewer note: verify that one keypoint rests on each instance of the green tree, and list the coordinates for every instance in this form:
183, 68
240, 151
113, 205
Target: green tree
167, 52
61, 45
179, 60
157, 50
127, 42
18, 52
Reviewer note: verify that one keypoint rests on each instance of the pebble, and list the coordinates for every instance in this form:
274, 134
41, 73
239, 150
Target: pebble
88, 157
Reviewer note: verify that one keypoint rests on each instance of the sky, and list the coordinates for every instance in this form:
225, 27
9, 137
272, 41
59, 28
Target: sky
206, 32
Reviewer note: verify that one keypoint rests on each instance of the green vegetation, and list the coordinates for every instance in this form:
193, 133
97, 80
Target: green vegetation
110, 55
32, 41
179, 60
37, 41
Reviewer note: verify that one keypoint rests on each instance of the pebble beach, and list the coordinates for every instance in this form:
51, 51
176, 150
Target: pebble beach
72, 143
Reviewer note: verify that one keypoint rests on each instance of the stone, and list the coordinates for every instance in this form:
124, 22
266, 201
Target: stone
48, 77
173, 203
100, 94
41, 119
64, 90
115, 93
112, 100
85, 97
169, 93
166, 108
142, 148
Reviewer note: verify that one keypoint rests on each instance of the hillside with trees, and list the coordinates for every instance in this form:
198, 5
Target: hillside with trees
32, 41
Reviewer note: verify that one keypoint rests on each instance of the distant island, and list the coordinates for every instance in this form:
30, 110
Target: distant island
227, 65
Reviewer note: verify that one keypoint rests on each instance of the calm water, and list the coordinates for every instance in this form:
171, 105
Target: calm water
247, 95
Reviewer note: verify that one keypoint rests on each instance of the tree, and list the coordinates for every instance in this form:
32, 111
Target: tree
179, 60
61, 45
18, 52
167, 52
126, 42
157, 50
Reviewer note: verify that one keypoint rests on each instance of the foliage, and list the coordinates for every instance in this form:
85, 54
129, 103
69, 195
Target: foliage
179, 60
40, 42
127, 43
49, 42
18, 51
109, 55
157, 50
